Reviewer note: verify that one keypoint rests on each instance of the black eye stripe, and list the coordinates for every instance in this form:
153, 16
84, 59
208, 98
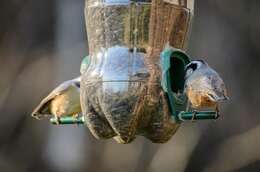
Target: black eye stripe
77, 84
192, 66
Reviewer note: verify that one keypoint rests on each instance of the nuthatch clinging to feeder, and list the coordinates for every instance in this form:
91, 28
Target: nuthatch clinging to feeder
62, 101
203, 86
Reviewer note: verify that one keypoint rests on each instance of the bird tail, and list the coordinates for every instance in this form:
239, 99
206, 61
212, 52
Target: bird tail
39, 116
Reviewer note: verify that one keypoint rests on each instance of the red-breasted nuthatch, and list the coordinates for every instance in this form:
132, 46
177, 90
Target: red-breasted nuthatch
62, 101
203, 86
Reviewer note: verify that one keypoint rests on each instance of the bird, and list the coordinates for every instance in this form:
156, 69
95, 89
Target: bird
64, 100
203, 86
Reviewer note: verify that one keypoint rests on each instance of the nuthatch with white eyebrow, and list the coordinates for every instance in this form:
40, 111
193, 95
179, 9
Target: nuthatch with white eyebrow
63, 100
203, 86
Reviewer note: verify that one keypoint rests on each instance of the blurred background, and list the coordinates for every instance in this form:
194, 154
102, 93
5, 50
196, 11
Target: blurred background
42, 44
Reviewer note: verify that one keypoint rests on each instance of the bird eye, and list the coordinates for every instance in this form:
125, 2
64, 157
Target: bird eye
77, 84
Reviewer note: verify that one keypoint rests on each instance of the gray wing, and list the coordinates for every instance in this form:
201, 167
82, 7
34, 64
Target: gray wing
43, 110
218, 88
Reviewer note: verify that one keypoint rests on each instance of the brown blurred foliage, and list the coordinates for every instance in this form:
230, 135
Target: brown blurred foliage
42, 43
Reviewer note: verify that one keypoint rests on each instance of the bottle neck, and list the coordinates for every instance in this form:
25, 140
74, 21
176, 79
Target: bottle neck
142, 26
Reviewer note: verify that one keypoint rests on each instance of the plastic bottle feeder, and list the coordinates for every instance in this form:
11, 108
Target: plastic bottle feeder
133, 85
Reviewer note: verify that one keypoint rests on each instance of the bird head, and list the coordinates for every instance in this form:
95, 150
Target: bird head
193, 66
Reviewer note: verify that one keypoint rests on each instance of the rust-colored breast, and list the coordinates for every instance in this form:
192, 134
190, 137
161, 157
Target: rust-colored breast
67, 103
200, 99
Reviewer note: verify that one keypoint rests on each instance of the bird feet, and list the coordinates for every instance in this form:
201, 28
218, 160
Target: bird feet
217, 112
75, 117
57, 120
194, 113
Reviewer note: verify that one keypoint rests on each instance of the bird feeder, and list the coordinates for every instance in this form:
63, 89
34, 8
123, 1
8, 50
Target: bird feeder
133, 85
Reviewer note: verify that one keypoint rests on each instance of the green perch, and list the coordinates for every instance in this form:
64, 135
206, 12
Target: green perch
197, 115
68, 120
182, 116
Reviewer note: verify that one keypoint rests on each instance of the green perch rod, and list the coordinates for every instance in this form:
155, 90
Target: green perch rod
198, 115
68, 120
183, 116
